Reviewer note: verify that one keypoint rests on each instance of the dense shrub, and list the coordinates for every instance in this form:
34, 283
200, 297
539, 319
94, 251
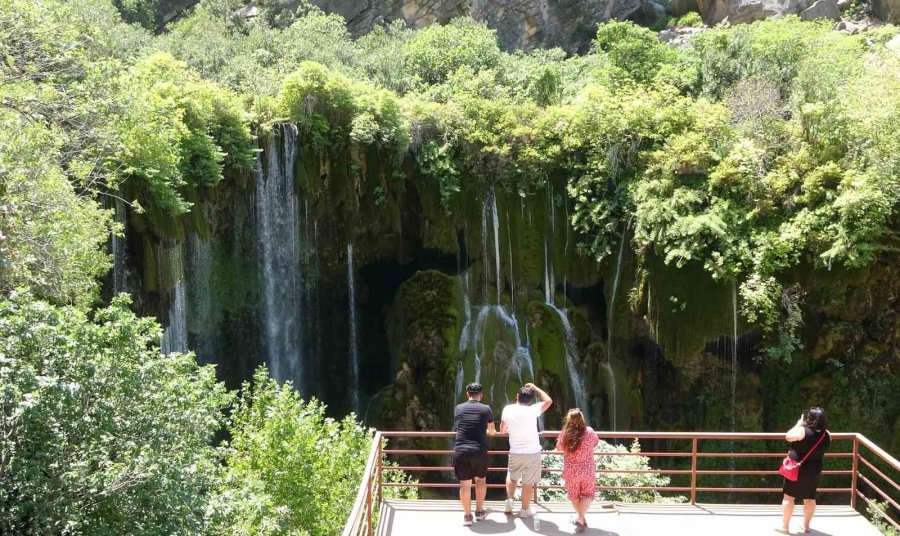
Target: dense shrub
99, 432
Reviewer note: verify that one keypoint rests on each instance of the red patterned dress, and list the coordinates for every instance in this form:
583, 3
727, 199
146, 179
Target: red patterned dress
579, 471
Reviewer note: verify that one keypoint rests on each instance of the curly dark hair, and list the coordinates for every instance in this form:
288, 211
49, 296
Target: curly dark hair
816, 419
572, 431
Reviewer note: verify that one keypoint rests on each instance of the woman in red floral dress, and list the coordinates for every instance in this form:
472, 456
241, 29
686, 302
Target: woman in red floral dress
577, 441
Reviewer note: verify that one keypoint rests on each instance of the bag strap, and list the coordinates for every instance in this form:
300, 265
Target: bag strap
824, 433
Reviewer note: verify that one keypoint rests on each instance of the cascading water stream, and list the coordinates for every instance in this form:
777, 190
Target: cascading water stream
734, 352
354, 345
118, 248
609, 333
175, 335
277, 228
575, 378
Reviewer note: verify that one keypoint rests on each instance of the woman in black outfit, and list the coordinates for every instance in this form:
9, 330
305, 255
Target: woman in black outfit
805, 436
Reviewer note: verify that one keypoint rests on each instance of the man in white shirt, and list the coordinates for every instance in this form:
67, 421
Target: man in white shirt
520, 421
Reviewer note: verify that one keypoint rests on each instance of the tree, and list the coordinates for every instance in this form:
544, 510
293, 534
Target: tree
99, 432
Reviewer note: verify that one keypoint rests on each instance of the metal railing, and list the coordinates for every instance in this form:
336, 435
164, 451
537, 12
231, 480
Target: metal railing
361, 521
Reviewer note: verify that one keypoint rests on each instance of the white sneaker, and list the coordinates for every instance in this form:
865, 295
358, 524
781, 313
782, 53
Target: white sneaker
527, 513
508, 507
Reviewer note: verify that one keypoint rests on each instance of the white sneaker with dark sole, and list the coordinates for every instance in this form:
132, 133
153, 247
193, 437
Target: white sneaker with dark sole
508, 507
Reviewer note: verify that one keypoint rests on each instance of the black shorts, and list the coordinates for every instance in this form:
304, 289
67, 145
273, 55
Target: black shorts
468, 465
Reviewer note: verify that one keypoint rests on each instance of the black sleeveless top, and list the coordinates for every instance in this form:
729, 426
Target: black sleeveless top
800, 448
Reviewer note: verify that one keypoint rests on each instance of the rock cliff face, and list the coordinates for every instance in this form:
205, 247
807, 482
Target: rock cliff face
520, 24
746, 11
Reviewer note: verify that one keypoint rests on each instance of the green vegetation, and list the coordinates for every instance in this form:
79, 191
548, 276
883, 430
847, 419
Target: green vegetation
763, 158
612, 462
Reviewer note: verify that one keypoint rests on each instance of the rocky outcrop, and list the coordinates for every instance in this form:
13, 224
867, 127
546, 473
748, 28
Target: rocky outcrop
822, 9
887, 10
520, 24
746, 11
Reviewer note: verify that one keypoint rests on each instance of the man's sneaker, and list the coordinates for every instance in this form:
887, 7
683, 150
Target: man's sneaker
468, 520
507, 509
527, 513
480, 515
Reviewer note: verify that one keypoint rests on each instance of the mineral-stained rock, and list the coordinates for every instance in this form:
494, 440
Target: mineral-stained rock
520, 24
894, 45
746, 11
682, 7
822, 9
887, 10
679, 36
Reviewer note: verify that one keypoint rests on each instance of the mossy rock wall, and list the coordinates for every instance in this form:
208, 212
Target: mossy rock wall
426, 267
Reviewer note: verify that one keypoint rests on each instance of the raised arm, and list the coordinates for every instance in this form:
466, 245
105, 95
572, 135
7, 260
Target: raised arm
796, 433
545, 399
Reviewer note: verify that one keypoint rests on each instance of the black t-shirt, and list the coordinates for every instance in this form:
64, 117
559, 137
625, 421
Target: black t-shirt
800, 448
470, 420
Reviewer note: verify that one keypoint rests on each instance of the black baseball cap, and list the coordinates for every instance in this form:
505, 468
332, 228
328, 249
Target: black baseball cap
474, 388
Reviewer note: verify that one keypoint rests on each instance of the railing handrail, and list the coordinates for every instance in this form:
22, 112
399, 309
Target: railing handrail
359, 505
361, 511
640, 435
878, 451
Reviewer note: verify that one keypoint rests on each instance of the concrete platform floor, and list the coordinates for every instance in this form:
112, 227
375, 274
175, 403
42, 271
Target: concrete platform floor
442, 518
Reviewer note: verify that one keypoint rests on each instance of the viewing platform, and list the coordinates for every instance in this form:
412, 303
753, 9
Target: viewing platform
866, 474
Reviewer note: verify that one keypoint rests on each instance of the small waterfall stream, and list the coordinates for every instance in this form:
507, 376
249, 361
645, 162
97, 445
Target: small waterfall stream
575, 378
175, 335
118, 248
354, 344
277, 228
734, 352
609, 332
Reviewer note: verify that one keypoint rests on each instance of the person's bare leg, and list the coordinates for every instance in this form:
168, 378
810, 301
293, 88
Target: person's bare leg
527, 491
809, 508
583, 505
480, 493
510, 488
787, 506
465, 495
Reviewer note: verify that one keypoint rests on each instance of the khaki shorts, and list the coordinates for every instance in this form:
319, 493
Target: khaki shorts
525, 466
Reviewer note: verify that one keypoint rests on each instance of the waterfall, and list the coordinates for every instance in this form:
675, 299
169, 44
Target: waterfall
198, 273
575, 378
734, 352
354, 350
467, 313
460, 378
118, 249
277, 228
496, 222
609, 331
175, 335
548, 288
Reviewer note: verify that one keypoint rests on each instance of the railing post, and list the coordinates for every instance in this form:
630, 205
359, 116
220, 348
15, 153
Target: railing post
854, 472
368, 504
694, 471
380, 479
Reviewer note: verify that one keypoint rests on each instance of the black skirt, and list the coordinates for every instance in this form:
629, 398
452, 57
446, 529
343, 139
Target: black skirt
807, 482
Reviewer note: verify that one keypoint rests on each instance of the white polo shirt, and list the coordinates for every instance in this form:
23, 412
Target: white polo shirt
521, 421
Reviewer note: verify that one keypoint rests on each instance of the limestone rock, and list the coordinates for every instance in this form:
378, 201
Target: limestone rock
887, 10
822, 9
853, 27
746, 11
677, 8
894, 45
679, 36
844, 5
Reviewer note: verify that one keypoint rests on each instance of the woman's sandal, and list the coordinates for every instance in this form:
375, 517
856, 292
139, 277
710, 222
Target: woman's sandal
782, 531
580, 527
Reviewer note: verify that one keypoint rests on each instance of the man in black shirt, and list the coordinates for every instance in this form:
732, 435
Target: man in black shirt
472, 422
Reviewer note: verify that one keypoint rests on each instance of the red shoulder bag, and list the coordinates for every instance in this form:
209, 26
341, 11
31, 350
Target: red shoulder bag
790, 469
